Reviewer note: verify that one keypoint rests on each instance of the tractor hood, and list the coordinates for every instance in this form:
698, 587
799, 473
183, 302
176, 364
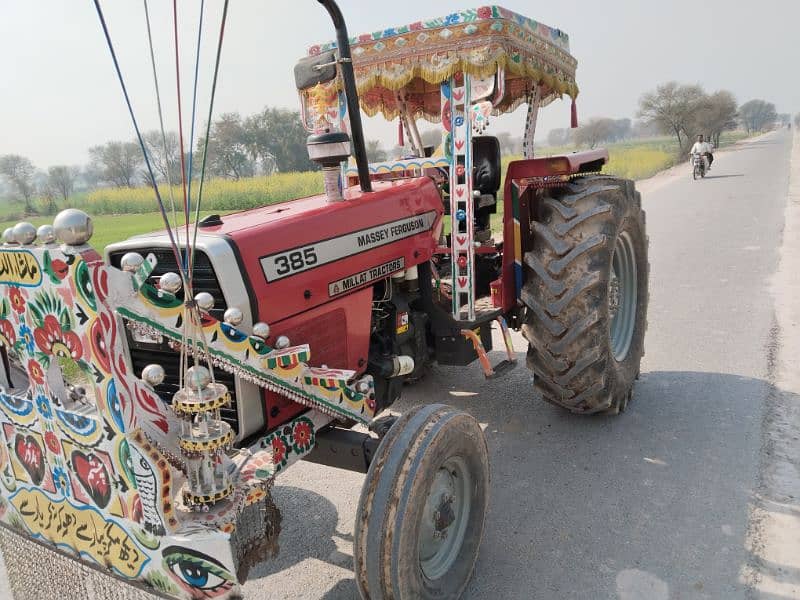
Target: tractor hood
300, 254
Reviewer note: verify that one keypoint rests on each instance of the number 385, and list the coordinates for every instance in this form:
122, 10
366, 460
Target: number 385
295, 260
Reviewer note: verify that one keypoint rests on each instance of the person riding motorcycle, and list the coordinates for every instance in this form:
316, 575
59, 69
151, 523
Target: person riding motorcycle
704, 149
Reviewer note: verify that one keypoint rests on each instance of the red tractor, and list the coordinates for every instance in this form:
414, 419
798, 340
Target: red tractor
397, 266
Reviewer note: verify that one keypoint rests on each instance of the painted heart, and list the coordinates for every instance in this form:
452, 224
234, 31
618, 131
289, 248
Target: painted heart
459, 191
458, 94
461, 239
459, 144
93, 476
29, 452
462, 282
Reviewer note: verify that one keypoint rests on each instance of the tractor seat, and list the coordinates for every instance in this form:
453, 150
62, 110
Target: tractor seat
486, 164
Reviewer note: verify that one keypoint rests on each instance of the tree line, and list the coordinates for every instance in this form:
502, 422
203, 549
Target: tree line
264, 143
679, 110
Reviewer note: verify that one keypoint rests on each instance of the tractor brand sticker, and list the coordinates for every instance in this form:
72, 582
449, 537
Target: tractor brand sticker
340, 286
19, 267
290, 262
402, 322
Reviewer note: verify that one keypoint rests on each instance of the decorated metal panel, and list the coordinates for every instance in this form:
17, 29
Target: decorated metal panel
457, 121
93, 462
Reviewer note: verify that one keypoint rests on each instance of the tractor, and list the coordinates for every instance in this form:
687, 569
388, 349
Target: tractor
286, 332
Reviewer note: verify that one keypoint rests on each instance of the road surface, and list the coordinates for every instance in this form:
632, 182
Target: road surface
653, 504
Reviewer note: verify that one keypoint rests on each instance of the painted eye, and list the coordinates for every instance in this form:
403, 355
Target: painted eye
197, 571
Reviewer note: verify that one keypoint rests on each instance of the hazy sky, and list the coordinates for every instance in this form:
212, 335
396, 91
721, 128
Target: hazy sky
59, 94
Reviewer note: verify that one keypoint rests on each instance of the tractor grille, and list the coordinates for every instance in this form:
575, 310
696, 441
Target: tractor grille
143, 354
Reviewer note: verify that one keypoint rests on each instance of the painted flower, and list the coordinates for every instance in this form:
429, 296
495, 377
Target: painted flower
303, 436
26, 335
53, 340
313, 51
7, 336
35, 372
61, 481
17, 299
371, 404
485, 12
280, 450
416, 26
52, 443
365, 37
43, 404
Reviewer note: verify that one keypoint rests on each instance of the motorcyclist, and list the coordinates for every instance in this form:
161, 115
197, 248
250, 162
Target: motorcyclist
702, 148
709, 152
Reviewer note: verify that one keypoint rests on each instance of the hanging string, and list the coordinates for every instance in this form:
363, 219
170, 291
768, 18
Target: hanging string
180, 138
194, 107
208, 131
147, 163
161, 124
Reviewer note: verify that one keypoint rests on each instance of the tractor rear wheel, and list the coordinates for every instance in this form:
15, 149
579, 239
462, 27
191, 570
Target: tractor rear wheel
420, 517
586, 294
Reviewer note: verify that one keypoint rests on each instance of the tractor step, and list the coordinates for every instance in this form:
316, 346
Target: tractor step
503, 366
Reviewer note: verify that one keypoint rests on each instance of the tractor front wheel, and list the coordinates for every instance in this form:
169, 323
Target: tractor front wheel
586, 294
421, 513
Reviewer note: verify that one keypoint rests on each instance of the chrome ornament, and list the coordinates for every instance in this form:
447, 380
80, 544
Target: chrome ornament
204, 301
24, 233
131, 262
170, 282
73, 227
233, 316
153, 374
261, 330
46, 234
8, 236
198, 378
282, 342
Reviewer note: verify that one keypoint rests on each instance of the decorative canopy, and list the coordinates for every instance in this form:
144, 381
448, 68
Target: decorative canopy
482, 42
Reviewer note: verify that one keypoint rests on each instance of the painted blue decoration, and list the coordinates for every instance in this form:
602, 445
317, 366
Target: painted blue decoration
461, 214
458, 121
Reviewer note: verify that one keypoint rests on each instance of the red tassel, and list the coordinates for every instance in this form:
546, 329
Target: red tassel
400, 141
574, 115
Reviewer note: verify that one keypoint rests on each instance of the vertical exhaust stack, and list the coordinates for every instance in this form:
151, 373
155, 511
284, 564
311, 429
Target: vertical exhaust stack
350, 91
328, 150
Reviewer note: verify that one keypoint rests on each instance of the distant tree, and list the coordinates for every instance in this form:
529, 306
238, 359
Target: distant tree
276, 141
166, 161
797, 120
61, 181
784, 119
672, 107
375, 153
559, 137
509, 145
756, 115
596, 131
230, 149
717, 115
641, 129
621, 130
19, 172
117, 163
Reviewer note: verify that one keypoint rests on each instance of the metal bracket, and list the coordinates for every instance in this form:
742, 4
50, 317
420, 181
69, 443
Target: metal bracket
509, 363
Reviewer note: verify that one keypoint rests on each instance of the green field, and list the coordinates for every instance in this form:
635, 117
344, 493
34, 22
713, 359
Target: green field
121, 213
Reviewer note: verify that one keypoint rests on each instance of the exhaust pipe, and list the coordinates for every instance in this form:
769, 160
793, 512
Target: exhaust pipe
346, 62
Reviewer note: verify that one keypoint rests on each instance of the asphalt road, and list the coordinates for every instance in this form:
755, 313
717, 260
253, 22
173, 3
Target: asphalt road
652, 504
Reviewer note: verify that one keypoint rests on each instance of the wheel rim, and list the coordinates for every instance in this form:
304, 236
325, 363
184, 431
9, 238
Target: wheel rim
445, 518
622, 293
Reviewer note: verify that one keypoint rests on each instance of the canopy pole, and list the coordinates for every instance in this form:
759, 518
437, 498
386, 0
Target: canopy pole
534, 98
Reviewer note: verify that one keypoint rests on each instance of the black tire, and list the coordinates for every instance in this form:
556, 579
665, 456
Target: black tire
566, 293
394, 501
694, 173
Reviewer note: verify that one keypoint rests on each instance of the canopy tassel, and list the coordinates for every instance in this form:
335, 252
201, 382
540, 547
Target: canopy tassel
574, 115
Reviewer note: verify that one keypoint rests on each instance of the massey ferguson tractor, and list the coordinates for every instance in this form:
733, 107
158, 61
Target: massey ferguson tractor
152, 397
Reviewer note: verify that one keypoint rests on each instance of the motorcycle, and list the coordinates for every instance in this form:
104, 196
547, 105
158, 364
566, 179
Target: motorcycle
699, 166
